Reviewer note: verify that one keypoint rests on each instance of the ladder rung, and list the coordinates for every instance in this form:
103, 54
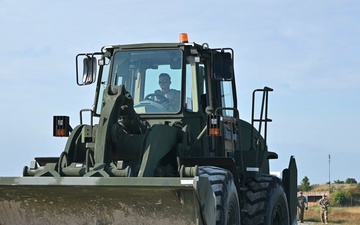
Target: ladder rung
260, 120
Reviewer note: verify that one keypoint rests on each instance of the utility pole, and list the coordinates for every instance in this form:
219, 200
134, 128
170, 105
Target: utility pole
329, 174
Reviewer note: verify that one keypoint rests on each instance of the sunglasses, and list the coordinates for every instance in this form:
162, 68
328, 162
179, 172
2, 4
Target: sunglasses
163, 81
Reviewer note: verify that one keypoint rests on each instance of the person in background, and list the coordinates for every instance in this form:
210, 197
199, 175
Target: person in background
324, 205
302, 205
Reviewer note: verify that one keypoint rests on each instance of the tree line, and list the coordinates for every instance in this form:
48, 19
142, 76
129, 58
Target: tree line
305, 183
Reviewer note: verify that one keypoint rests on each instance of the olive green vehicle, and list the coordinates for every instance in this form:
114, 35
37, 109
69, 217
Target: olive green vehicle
139, 161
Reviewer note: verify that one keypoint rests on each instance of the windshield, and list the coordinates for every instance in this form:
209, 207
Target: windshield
152, 77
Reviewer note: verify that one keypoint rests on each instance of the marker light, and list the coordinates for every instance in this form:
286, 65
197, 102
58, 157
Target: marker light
61, 126
214, 132
214, 125
184, 38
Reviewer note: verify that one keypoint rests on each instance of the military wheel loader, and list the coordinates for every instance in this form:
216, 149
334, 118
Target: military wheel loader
145, 157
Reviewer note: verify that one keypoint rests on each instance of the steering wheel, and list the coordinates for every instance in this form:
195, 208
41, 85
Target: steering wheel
156, 98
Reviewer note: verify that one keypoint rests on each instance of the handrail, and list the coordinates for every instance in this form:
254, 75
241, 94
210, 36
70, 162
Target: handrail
264, 107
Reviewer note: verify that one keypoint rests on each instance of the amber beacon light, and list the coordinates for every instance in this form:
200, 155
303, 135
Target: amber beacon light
184, 38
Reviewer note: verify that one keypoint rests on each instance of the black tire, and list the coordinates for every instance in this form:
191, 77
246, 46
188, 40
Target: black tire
227, 201
265, 202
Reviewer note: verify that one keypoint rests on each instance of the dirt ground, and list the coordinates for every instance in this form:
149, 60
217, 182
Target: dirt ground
312, 223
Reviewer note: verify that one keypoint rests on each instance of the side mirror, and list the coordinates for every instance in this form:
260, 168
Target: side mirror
89, 66
89, 70
223, 66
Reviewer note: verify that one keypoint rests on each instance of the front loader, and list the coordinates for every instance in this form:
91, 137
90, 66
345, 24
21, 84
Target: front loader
146, 157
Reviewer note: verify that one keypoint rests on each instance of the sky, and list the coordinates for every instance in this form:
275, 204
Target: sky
307, 51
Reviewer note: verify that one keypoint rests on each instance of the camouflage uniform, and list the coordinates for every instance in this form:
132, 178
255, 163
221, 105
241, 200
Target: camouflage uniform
324, 204
301, 205
172, 99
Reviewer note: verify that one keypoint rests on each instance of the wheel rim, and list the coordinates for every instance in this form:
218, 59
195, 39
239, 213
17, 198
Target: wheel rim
233, 212
278, 215
230, 215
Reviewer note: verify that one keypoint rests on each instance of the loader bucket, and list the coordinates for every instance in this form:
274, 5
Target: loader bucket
91, 200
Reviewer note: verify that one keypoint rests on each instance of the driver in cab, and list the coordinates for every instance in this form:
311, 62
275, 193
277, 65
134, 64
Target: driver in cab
171, 97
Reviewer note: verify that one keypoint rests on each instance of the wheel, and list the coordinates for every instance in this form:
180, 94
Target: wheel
266, 202
227, 202
156, 98
149, 106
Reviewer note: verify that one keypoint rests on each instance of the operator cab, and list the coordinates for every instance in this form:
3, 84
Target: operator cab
182, 84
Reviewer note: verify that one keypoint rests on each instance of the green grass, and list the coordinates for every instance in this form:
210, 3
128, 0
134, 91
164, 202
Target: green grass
337, 215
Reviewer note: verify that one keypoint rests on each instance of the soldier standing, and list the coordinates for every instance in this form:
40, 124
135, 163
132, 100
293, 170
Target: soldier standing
324, 205
301, 205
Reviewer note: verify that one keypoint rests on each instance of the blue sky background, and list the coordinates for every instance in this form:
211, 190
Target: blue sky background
307, 51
